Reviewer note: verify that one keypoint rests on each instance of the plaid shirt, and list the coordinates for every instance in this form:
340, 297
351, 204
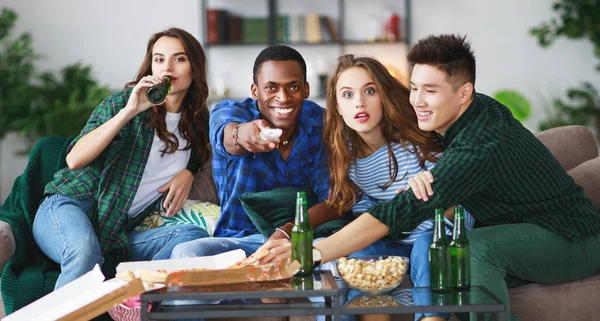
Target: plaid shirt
236, 175
501, 173
112, 179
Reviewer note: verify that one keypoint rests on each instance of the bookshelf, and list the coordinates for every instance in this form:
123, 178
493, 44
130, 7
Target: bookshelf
338, 27
324, 22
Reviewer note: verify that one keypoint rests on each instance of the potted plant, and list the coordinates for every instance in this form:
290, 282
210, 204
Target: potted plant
577, 19
36, 105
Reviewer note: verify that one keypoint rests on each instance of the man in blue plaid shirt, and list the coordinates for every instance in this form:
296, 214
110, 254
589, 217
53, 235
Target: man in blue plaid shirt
244, 163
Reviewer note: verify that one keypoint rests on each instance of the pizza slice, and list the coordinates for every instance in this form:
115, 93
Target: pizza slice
252, 259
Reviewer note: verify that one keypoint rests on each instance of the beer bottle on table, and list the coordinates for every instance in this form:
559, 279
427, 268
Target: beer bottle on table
460, 253
439, 261
302, 237
158, 93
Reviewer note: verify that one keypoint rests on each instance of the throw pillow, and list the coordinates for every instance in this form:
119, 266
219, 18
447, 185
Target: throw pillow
202, 214
271, 209
203, 188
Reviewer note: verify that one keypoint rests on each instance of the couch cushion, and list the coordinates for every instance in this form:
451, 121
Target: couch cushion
572, 301
587, 175
204, 188
271, 209
571, 145
202, 214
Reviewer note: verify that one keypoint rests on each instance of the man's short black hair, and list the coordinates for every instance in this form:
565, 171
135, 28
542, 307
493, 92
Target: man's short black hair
450, 53
277, 53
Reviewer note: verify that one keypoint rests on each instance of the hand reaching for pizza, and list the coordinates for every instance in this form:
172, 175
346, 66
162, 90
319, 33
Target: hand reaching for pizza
252, 259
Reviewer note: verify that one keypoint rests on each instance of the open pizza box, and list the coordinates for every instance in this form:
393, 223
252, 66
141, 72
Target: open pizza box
226, 268
90, 295
83, 299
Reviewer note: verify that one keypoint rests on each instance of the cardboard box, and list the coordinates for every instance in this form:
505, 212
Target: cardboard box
252, 273
207, 270
90, 295
215, 262
83, 299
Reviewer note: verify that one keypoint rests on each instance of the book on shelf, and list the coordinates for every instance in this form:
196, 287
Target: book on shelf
235, 29
212, 29
329, 29
311, 28
255, 30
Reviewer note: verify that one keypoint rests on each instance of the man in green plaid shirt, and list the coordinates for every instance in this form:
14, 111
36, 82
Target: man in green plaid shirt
534, 223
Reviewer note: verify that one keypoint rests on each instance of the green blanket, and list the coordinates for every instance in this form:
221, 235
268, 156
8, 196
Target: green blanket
29, 274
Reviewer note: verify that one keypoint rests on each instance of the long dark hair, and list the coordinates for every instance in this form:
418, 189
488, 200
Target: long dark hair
193, 125
398, 125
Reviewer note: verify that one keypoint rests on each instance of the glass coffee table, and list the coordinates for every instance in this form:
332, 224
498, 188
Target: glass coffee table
319, 294
314, 295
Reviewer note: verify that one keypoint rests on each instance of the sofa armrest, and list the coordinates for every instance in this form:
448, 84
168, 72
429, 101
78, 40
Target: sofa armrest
587, 175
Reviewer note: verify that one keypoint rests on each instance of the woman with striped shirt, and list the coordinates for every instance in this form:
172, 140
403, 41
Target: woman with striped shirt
376, 150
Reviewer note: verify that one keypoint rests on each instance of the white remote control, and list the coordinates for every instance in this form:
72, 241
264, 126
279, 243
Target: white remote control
270, 134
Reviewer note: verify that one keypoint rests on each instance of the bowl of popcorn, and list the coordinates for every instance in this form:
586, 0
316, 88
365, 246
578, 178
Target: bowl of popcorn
373, 274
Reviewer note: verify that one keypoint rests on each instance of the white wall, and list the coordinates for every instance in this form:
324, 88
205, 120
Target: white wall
111, 35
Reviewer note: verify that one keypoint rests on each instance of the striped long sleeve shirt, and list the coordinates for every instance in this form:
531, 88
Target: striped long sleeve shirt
502, 174
372, 172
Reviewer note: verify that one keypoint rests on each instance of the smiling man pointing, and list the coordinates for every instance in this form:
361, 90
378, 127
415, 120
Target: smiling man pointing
245, 163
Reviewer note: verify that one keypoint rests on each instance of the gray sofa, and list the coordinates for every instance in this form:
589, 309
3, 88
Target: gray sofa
576, 150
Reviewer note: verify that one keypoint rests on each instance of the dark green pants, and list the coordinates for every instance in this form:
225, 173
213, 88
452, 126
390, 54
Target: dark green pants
505, 256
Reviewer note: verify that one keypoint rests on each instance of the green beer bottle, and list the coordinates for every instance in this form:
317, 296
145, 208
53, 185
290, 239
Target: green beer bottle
158, 93
460, 253
439, 261
302, 237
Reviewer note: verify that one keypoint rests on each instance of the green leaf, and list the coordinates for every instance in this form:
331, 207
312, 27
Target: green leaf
576, 19
516, 102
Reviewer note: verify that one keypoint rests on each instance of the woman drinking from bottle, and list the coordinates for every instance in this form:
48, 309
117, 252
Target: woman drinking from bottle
131, 158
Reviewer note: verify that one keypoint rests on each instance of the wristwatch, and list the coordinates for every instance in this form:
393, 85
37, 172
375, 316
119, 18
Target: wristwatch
316, 257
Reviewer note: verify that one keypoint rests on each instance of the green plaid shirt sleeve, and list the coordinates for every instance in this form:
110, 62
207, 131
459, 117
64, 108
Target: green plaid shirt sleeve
81, 184
501, 174
103, 113
112, 179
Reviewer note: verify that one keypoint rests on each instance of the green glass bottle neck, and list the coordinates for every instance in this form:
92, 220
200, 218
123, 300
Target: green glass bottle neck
458, 230
301, 212
439, 230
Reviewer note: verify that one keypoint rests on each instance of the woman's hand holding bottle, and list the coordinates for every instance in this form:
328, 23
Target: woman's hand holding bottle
138, 102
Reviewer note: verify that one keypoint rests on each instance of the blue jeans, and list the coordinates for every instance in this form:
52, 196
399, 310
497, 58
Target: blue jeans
216, 245
64, 233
